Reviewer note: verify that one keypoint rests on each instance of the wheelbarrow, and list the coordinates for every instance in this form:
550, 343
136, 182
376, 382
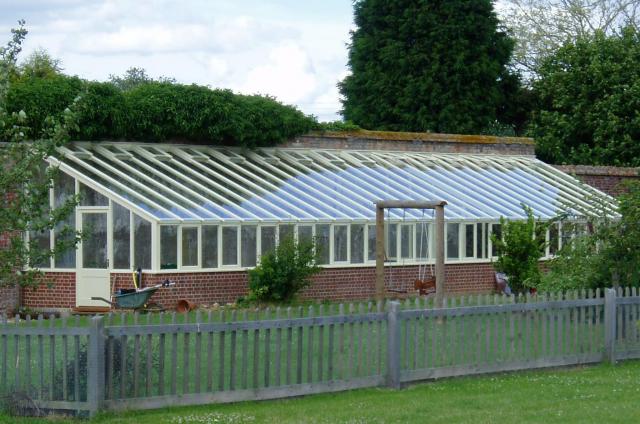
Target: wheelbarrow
137, 299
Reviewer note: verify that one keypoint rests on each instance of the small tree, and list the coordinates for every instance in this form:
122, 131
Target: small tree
282, 273
519, 250
25, 181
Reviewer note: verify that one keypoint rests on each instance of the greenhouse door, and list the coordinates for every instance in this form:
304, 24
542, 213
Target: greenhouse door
92, 279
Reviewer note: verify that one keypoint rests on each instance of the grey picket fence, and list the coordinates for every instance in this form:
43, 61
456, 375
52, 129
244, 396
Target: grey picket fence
121, 362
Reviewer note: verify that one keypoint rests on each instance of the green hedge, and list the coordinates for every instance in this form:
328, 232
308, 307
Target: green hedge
159, 111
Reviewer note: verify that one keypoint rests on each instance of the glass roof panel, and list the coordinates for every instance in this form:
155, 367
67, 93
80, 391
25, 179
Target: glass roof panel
187, 182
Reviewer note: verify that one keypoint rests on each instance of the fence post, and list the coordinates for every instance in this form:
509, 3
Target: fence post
393, 346
95, 366
610, 325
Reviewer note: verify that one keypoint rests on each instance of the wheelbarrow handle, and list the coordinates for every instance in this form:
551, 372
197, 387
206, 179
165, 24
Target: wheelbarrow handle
104, 300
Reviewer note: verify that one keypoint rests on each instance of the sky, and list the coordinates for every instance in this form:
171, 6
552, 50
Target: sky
293, 50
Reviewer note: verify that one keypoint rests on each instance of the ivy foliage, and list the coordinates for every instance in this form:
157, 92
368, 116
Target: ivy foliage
420, 65
141, 109
282, 273
520, 247
588, 109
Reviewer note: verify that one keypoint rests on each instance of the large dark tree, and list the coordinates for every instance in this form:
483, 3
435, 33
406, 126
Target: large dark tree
427, 65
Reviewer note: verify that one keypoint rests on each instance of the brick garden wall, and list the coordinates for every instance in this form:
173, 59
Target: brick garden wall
206, 288
415, 142
608, 179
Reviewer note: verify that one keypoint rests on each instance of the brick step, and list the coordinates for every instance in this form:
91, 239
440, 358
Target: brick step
90, 310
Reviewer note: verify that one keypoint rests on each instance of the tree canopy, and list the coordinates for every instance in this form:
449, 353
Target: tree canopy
589, 102
541, 27
418, 65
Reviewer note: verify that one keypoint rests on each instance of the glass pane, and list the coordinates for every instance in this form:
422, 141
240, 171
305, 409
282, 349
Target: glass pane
453, 232
94, 242
391, 242
480, 242
229, 245
469, 242
305, 233
267, 239
64, 188
497, 230
340, 243
286, 231
209, 246
422, 240
169, 247
141, 243
248, 255
553, 239
357, 243
566, 233
406, 241
121, 237
90, 197
322, 243
40, 240
371, 238
190, 246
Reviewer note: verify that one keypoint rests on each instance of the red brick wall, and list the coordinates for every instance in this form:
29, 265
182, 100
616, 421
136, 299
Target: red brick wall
9, 299
58, 290
223, 287
9, 296
605, 178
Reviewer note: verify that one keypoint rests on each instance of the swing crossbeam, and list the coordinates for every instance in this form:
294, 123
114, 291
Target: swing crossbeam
438, 206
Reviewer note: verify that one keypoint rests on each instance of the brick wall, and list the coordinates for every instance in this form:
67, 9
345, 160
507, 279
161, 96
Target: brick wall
415, 142
608, 179
223, 287
9, 299
58, 290
9, 296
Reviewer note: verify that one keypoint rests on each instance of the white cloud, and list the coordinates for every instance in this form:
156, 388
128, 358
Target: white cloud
294, 51
288, 75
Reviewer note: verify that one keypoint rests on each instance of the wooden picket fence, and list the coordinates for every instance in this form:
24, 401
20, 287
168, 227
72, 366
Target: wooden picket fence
122, 362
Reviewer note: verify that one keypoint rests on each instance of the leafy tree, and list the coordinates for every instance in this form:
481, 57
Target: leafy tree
25, 182
282, 273
541, 27
427, 66
133, 77
588, 109
39, 64
519, 249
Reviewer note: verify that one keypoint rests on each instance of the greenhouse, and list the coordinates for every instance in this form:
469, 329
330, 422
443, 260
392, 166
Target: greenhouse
171, 208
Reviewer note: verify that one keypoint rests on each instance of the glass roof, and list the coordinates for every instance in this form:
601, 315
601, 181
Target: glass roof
198, 183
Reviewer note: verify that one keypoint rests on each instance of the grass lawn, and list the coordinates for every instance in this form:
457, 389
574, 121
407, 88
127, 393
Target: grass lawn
577, 395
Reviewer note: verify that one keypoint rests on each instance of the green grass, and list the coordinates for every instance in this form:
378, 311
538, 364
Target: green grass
578, 395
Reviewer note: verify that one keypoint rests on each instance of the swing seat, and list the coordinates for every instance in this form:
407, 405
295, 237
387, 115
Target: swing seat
426, 286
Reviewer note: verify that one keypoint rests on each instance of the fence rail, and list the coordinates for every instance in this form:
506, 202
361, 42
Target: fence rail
156, 361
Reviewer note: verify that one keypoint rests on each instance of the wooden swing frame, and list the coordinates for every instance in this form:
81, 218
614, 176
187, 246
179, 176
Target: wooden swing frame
381, 205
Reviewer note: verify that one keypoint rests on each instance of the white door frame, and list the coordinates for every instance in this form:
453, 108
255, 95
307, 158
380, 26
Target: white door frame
99, 278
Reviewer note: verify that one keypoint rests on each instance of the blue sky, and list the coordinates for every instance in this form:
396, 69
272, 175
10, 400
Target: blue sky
292, 50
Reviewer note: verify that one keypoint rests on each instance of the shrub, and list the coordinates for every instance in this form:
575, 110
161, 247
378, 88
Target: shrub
157, 111
519, 250
283, 272
608, 254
